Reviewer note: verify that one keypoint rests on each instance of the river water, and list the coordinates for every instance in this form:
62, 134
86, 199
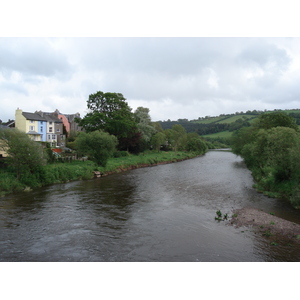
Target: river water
162, 213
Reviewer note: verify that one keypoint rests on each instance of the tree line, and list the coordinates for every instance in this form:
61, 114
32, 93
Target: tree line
270, 149
110, 126
210, 128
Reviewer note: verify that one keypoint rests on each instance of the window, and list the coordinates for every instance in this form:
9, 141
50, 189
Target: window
41, 128
57, 130
31, 121
53, 137
50, 123
50, 129
49, 137
31, 128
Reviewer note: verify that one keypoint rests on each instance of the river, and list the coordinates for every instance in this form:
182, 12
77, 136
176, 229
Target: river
162, 213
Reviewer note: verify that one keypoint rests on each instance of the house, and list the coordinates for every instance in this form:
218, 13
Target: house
31, 123
41, 127
54, 129
47, 126
69, 121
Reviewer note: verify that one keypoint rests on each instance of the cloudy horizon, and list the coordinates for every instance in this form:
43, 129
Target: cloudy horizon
174, 77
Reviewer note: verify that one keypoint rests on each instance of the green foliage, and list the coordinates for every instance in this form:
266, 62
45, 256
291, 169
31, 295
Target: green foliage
120, 154
24, 155
51, 158
9, 183
157, 126
77, 170
270, 148
176, 137
110, 112
276, 119
158, 140
144, 125
196, 144
99, 146
220, 216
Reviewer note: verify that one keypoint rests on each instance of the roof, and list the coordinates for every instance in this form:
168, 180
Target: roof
71, 117
33, 116
50, 117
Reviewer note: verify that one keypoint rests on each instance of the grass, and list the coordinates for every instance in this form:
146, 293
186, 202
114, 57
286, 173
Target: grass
144, 159
79, 170
210, 120
235, 118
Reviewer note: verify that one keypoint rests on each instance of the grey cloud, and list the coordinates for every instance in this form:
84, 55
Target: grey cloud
169, 56
33, 57
13, 88
265, 55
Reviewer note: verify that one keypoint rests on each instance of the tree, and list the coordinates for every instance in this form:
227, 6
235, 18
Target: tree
110, 112
248, 135
157, 126
270, 149
277, 151
158, 140
24, 155
195, 143
270, 120
144, 125
178, 137
97, 145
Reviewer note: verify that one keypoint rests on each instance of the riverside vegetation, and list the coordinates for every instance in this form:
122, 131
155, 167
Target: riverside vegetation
270, 148
113, 139
59, 172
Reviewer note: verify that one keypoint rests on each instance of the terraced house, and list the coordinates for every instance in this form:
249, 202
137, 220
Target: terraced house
41, 126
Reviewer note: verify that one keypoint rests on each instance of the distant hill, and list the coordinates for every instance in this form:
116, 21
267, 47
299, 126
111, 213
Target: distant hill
221, 127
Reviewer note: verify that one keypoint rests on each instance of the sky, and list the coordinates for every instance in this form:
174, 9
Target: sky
176, 74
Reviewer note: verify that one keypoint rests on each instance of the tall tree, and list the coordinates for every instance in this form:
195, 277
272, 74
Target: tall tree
158, 140
176, 137
144, 125
24, 155
111, 113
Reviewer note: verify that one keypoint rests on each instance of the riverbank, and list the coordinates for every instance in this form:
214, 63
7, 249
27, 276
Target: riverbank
79, 170
266, 224
149, 159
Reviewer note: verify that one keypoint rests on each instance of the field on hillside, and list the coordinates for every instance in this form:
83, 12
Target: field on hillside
235, 118
220, 128
209, 120
222, 134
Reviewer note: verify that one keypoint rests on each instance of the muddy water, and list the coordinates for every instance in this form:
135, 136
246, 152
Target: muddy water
163, 213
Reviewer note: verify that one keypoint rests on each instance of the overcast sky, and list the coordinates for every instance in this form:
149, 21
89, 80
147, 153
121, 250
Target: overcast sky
174, 77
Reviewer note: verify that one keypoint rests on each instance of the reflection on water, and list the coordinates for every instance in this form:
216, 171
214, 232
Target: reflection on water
163, 213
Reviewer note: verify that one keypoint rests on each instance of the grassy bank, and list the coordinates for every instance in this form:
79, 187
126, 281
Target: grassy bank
80, 170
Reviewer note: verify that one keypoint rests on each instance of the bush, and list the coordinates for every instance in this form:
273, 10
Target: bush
99, 146
120, 154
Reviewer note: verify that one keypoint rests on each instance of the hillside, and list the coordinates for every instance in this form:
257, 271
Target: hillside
221, 127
